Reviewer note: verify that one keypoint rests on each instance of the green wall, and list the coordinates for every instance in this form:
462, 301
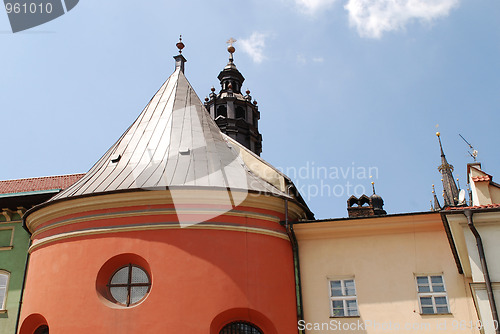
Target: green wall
13, 261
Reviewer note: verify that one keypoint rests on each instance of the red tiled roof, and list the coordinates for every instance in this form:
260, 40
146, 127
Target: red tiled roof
38, 183
481, 178
487, 206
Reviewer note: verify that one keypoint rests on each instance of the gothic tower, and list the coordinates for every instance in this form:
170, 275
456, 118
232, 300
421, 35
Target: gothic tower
235, 114
450, 190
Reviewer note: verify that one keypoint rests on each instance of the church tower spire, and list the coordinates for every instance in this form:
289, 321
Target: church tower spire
236, 114
450, 190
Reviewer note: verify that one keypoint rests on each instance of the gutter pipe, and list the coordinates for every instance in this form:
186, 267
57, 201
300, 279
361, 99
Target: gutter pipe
484, 266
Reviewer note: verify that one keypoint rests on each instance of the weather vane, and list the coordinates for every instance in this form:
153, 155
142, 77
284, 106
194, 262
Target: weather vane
473, 154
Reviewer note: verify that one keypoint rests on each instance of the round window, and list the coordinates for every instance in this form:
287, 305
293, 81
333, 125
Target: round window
129, 285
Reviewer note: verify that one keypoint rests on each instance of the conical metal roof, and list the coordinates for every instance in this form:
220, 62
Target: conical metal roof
175, 143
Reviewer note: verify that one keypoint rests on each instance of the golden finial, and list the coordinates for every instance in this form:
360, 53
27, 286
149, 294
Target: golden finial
438, 134
180, 45
231, 48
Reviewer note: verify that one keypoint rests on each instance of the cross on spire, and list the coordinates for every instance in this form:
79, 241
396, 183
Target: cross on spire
231, 41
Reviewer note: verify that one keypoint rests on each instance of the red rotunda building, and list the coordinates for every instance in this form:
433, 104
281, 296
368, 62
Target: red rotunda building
178, 228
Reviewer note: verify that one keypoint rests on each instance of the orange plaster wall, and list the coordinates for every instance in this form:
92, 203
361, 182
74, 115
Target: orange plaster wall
199, 278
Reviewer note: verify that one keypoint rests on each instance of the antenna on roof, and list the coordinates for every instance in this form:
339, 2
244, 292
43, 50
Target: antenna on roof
474, 152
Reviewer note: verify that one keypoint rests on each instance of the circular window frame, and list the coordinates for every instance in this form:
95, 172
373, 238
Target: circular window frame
129, 285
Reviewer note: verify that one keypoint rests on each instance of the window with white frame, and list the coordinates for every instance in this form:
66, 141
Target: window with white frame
4, 281
432, 294
343, 302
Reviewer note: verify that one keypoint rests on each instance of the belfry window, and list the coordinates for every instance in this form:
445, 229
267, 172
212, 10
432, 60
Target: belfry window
129, 285
240, 327
221, 111
240, 112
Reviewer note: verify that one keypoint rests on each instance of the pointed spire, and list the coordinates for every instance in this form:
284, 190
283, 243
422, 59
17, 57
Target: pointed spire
436, 206
450, 190
179, 59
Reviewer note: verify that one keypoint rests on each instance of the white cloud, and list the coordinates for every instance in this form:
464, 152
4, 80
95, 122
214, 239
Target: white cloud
312, 7
254, 46
318, 59
374, 17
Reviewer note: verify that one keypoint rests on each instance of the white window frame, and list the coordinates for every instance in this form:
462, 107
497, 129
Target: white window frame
432, 294
344, 298
3, 303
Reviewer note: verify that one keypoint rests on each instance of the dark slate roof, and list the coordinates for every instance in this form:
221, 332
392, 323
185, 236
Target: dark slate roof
38, 183
174, 142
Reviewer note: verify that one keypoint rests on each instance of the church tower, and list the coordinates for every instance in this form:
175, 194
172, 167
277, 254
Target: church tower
450, 189
178, 228
236, 114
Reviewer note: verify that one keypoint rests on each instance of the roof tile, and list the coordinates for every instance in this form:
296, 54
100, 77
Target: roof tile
38, 183
481, 178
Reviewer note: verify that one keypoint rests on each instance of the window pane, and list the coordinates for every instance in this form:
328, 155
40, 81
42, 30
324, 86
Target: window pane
424, 288
2, 296
437, 279
441, 301
442, 309
425, 301
427, 310
139, 276
338, 308
121, 276
422, 280
438, 288
350, 289
3, 280
137, 293
119, 294
352, 307
336, 288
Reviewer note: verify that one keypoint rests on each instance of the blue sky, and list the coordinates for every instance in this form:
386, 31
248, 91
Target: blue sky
340, 84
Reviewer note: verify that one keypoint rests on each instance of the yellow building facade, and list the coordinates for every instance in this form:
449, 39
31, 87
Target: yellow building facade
382, 274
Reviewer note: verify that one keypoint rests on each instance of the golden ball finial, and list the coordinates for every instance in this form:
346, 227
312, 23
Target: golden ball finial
438, 134
231, 48
373, 183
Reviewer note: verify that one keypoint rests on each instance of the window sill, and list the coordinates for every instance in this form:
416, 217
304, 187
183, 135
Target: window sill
6, 248
431, 314
3, 311
345, 316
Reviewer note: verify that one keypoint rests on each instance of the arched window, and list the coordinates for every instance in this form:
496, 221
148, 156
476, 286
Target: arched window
129, 285
4, 282
240, 112
240, 327
44, 329
221, 111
